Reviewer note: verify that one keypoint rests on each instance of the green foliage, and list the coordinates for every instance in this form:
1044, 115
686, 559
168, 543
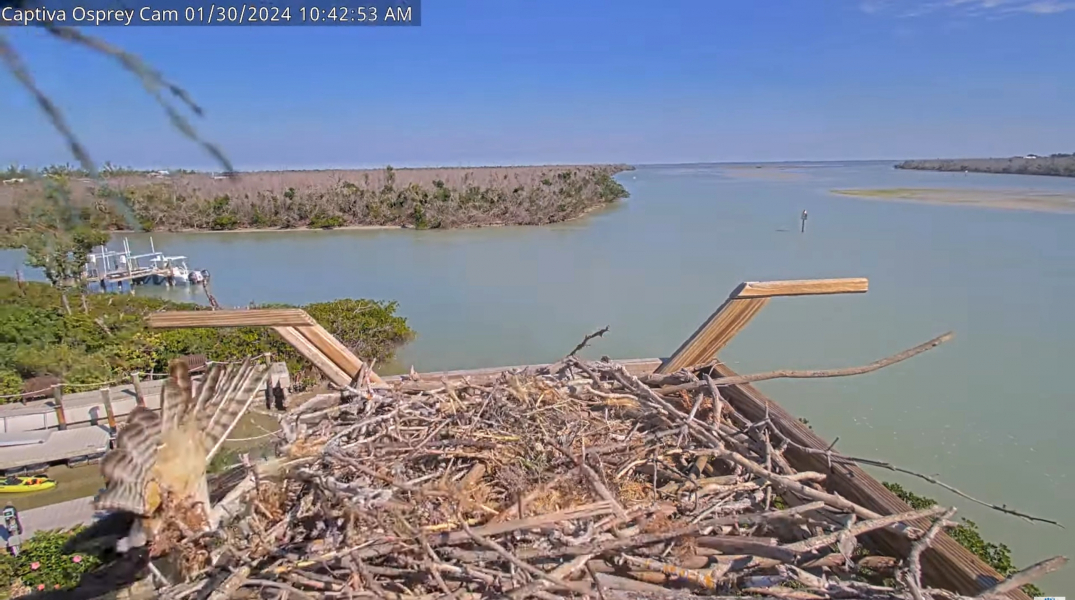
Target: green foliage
323, 221
41, 563
10, 382
110, 340
223, 217
998, 556
61, 236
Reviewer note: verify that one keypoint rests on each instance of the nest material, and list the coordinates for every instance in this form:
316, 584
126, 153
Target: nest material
577, 480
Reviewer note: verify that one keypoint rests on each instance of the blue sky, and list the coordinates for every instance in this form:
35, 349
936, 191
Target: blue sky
513, 81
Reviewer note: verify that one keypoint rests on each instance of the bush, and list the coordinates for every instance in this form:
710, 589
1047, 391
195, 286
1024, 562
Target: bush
998, 556
110, 340
10, 382
41, 564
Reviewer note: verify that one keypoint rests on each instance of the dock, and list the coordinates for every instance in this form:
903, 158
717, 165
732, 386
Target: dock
77, 429
80, 409
106, 267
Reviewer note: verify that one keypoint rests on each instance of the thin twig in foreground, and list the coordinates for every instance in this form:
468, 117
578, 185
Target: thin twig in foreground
586, 340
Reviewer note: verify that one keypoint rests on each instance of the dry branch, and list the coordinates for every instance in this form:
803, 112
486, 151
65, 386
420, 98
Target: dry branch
816, 373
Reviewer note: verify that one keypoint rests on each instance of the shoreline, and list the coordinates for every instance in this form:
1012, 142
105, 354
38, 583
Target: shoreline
586, 213
1019, 200
1056, 165
354, 200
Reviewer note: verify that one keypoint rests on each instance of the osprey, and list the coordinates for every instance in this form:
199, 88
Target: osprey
157, 470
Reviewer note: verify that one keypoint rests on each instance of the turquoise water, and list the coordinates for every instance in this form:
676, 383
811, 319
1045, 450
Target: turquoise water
988, 412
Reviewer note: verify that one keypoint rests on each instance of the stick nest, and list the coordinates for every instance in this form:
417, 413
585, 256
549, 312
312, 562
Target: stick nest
575, 480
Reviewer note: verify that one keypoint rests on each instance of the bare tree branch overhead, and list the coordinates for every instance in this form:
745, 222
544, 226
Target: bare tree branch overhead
152, 80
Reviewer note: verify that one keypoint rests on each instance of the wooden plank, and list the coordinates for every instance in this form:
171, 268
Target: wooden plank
136, 382
106, 397
261, 317
60, 446
946, 564
314, 355
741, 307
714, 334
802, 287
57, 396
336, 352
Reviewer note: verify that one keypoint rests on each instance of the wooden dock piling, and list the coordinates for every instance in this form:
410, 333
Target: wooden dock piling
106, 398
139, 399
57, 397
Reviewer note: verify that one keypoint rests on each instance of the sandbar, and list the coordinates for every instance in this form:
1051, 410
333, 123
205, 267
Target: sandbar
1032, 200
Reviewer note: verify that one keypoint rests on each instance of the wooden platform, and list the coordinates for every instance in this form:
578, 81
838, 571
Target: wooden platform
82, 409
59, 446
87, 429
946, 564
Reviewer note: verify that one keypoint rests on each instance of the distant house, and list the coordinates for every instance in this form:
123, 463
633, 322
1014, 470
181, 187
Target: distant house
1031, 156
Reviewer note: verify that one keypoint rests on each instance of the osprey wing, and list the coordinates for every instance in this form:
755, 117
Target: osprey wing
126, 468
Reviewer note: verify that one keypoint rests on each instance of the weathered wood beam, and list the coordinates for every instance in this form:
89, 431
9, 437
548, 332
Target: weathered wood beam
294, 325
741, 307
714, 334
802, 287
313, 354
331, 347
261, 317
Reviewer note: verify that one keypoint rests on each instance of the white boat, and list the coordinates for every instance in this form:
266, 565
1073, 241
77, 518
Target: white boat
174, 266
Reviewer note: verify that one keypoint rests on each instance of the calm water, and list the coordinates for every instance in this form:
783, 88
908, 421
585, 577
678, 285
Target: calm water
987, 412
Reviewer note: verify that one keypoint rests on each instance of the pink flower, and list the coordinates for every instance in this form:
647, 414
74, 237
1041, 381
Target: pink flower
56, 587
76, 558
40, 586
35, 566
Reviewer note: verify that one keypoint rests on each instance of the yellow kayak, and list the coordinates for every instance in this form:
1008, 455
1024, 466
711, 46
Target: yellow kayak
33, 483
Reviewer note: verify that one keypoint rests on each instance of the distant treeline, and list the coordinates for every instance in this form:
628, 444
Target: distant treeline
419, 198
1059, 165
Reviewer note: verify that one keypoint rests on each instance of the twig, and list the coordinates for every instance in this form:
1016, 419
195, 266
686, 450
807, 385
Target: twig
815, 373
1021, 578
913, 576
586, 340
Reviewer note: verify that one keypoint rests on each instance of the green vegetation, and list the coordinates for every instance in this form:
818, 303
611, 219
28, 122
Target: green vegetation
59, 236
105, 337
42, 565
417, 198
1058, 165
998, 556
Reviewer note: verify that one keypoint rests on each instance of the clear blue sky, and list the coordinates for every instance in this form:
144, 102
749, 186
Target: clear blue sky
556, 81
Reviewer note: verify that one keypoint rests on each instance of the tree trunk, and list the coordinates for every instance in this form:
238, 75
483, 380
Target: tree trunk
85, 306
66, 304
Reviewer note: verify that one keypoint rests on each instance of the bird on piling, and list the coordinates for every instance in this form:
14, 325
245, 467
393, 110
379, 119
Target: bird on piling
157, 470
